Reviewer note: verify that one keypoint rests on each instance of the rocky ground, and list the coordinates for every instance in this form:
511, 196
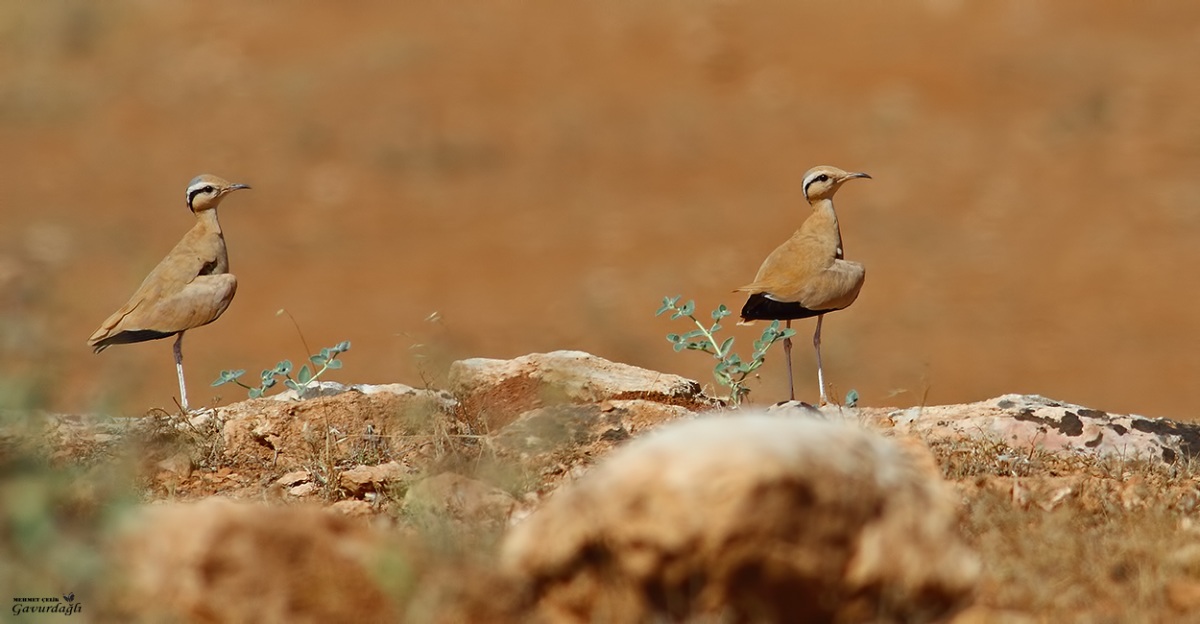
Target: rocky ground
562, 487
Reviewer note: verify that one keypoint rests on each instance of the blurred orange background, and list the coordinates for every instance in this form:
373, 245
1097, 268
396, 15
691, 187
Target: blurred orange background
541, 174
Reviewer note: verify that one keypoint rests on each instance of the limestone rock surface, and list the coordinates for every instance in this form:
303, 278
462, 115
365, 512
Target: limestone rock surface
501, 390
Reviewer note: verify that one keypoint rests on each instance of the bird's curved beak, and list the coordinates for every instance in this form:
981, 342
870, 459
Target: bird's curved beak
857, 175
235, 187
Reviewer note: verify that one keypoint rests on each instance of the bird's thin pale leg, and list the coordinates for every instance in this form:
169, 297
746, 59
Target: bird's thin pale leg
787, 351
820, 371
179, 369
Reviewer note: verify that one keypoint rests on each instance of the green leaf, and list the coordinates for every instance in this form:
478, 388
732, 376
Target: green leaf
787, 333
342, 346
695, 333
227, 376
667, 304
292, 385
333, 364
679, 346
851, 398
721, 312
255, 393
284, 368
268, 373
674, 338
688, 308
318, 360
726, 346
304, 376
269, 383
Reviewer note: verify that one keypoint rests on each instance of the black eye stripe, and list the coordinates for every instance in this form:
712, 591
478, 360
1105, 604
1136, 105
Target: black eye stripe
819, 178
191, 196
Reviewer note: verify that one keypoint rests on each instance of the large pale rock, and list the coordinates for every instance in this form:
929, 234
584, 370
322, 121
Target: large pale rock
760, 517
1029, 421
1026, 422
221, 561
498, 391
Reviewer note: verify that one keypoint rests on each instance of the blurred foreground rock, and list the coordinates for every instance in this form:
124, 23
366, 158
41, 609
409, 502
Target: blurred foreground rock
223, 561
454, 497
751, 516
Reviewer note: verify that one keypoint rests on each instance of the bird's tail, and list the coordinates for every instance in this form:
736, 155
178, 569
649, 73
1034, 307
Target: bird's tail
761, 307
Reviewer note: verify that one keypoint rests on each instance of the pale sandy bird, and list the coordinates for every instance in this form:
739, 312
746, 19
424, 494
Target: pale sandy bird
191, 287
808, 275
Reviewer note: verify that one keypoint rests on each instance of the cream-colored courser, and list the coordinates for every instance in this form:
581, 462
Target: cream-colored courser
808, 275
191, 287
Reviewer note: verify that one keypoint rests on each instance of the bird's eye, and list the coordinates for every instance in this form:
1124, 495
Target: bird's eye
207, 189
822, 178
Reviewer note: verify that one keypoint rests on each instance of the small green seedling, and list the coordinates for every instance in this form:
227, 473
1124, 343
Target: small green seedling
731, 370
851, 399
321, 362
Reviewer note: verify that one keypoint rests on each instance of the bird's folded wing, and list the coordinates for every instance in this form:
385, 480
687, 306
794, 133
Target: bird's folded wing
155, 304
198, 303
190, 258
831, 288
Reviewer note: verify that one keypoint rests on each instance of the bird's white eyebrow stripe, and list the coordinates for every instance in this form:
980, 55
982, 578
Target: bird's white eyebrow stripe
194, 190
809, 180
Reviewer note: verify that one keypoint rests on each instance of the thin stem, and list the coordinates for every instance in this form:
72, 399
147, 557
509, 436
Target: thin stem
324, 367
299, 333
711, 340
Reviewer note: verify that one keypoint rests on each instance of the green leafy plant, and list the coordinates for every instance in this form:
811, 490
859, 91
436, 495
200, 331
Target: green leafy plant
321, 362
731, 370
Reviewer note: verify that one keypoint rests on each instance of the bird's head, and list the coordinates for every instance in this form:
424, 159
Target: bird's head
204, 192
822, 182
